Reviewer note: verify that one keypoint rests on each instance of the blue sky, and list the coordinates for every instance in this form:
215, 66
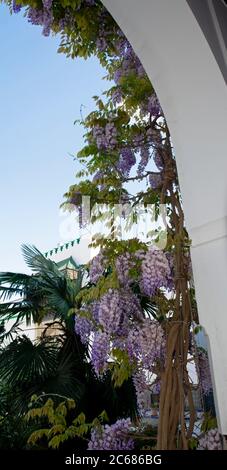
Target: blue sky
41, 93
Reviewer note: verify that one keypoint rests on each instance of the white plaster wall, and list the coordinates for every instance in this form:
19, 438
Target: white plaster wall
168, 40
28, 330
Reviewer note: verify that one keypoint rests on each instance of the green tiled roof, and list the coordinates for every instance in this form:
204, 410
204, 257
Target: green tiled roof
67, 263
62, 248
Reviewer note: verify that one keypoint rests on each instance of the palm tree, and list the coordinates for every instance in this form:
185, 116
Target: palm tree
57, 365
30, 298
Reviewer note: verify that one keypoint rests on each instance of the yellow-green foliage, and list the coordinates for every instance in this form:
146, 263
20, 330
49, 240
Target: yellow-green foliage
57, 429
102, 286
122, 367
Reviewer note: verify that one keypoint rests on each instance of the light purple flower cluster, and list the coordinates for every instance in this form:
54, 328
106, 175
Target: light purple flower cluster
158, 160
142, 146
105, 137
97, 267
210, 441
101, 44
103, 34
121, 323
83, 327
112, 437
152, 106
110, 311
47, 4
35, 16
118, 74
130, 305
76, 200
146, 342
144, 158
16, 6
130, 62
95, 310
126, 161
138, 140
91, 2
154, 138
98, 178
141, 387
204, 372
155, 271
114, 314
116, 308
66, 21
156, 387
43, 17
86, 322
156, 180
123, 264
100, 352
117, 95
98, 175
140, 254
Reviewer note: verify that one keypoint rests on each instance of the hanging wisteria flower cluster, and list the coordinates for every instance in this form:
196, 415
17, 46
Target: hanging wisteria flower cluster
97, 267
155, 271
123, 264
46, 14
204, 372
105, 138
210, 440
112, 437
100, 352
142, 387
126, 161
146, 343
117, 321
83, 328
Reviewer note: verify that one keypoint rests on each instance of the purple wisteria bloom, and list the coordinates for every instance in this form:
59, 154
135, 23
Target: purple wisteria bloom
16, 6
155, 271
112, 437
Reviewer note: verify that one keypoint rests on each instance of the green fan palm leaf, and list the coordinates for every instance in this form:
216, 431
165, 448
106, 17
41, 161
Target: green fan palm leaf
30, 297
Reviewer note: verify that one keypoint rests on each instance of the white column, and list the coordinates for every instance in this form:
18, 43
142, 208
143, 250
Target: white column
169, 42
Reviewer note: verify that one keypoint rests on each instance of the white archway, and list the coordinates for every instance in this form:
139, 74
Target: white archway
191, 87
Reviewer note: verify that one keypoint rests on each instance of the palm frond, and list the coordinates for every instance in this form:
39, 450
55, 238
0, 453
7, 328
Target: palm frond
9, 335
65, 381
13, 284
149, 307
31, 295
37, 262
25, 362
42, 367
21, 311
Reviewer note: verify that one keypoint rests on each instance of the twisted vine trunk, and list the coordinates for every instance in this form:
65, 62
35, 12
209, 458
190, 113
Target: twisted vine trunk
175, 383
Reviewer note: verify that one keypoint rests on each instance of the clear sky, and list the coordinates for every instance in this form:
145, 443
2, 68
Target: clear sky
41, 93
